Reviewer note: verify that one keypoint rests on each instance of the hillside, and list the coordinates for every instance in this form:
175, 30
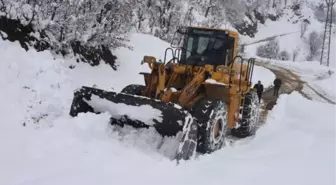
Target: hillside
294, 33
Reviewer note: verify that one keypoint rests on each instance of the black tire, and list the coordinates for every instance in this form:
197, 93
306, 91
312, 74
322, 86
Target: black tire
249, 116
207, 113
133, 89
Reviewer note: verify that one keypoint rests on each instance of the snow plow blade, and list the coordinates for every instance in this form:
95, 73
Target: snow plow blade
140, 112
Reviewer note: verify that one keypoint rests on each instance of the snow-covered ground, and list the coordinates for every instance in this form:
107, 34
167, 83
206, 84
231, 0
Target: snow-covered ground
41, 144
327, 85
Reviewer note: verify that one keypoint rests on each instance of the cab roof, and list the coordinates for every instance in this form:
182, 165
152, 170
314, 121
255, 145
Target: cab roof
231, 32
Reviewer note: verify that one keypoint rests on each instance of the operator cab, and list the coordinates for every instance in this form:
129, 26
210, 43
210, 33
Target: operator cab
207, 46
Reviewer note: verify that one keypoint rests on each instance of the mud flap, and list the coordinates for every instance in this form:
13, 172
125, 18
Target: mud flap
188, 144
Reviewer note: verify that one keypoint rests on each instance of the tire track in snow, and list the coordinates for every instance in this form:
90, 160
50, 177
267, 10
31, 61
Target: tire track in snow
320, 95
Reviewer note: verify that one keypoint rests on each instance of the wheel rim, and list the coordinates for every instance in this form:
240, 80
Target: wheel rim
217, 131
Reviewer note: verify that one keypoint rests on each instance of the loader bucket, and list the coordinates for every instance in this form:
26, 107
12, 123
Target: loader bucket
140, 112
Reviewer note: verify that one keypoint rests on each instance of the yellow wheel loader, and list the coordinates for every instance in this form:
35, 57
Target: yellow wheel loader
204, 92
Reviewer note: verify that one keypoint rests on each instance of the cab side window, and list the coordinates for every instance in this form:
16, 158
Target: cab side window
229, 51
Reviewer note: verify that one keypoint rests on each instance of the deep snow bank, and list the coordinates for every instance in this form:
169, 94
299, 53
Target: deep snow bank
35, 87
36, 96
286, 149
85, 150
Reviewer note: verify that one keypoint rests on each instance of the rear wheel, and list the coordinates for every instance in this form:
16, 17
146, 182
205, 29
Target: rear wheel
249, 116
133, 89
211, 116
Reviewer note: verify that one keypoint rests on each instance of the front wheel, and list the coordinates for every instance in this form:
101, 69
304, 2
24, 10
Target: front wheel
211, 116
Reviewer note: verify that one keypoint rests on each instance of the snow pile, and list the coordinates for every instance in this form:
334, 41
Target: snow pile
290, 146
143, 113
36, 129
35, 86
82, 150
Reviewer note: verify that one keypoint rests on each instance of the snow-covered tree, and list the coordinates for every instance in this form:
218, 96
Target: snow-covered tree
303, 28
295, 53
269, 50
283, 55
314, 42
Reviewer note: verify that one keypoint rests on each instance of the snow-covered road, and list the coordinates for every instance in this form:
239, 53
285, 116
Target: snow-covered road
318, 82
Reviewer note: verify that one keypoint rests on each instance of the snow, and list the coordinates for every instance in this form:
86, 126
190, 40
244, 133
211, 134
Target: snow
42, 144
3, 34
173, 89
212, 81
328, 84
143, 113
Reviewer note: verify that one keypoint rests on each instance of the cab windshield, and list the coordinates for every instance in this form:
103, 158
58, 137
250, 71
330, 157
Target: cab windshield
207, 48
